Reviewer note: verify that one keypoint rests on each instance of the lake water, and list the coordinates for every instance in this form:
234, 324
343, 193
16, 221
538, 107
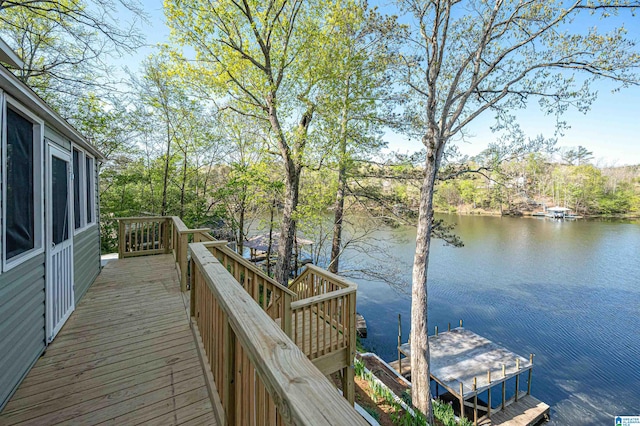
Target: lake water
569, 292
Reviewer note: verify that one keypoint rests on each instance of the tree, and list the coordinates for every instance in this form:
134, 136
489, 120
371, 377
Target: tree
263, 59
465, 58
65, 44
248, 174
358, 101
577, 156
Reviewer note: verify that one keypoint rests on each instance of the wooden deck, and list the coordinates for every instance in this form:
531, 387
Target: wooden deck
126, 356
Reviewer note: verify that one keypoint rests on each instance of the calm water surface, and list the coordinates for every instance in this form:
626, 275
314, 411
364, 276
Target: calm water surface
569, 292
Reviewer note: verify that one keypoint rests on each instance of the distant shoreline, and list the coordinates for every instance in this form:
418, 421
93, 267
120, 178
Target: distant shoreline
530, 214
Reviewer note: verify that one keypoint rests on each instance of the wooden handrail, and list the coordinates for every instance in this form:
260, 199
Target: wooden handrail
316, 281
274, 298
195, 231
247, 264
331, 276
299, 304
261, 376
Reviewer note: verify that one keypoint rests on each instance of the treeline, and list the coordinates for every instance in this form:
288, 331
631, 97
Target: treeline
528, 184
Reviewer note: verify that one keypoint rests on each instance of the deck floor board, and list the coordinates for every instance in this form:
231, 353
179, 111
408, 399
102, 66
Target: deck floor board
126, 356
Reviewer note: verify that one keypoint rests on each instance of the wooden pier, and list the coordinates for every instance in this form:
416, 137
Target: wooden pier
468, 367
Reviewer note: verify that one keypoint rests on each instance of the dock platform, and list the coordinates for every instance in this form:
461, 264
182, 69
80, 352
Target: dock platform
468, 366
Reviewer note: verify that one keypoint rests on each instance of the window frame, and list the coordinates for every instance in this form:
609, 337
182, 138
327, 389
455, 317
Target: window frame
7, 101
90, 181
85, 180
79, 176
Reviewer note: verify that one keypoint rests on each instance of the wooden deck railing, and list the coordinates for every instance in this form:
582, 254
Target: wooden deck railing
274, 298
142, 236
147, 235
324, 321
315, 281
260, 375
317, 312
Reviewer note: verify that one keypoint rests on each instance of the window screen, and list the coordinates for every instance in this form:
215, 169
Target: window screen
20, 226
59, 200
76, 189
89, 180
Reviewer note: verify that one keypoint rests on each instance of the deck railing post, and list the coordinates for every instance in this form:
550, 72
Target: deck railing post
399, 343
184, 241
286, 314
121, 242
192, 290
475, 401
228, 374
165, 235
348, 376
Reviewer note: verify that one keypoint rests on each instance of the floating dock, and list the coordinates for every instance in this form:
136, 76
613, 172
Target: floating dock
468, 366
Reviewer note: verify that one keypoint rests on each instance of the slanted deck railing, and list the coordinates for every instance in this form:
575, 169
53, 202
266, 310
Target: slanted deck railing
274, 298
260, 375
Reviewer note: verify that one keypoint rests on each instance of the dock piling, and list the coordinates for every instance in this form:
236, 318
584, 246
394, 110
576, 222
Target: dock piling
399, 342
517, 378
489, 394
530, 374
461, 400
504, 389
475, 401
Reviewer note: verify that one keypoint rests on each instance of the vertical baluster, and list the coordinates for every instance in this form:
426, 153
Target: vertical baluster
319, 321
324, 327
304, 332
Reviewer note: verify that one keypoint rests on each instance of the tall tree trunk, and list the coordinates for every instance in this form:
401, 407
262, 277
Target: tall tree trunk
420, 374
293, 167
336, 243
243, 208
184, 183
163, 210
271, 210
288, 227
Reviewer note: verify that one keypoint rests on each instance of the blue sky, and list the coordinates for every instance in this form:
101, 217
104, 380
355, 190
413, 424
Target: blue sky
611, 129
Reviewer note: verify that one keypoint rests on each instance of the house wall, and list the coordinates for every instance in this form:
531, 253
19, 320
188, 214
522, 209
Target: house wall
22, 322
56, 138
86, 260
86, 249
22, 297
